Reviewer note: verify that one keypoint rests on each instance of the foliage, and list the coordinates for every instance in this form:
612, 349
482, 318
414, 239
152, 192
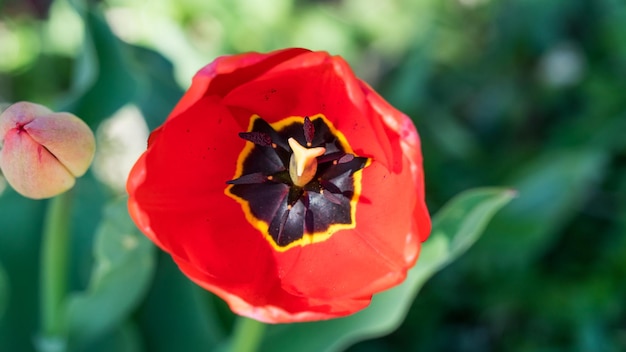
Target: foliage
523, 94
455, 228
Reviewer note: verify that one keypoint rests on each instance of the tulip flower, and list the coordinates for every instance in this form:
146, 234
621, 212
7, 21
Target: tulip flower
285, 185
43, 151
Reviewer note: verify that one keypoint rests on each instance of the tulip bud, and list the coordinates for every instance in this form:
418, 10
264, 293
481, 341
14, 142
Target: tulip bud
42, 152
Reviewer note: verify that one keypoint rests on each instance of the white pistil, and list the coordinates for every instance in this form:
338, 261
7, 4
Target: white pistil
303, 162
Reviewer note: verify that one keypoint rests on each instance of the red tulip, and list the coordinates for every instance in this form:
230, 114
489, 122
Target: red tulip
285, 185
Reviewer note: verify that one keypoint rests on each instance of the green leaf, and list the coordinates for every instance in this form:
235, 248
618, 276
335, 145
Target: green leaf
192, 318
159, 90
4, 291
20, 237
104, 80
124, 338
455, 228
89, 201
552, 189
124, 266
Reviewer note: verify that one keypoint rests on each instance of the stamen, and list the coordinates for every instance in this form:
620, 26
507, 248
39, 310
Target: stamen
329, 186
309, 131
303, 162
249, 179
281, 226
309, 218
330, 157
346, 158
258, 138
330, 196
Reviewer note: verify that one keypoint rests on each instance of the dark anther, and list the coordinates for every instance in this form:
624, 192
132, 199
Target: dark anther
346, 158
283, 222
258, 138
330, 157
309, 130
330, 186
309, 220
249, 179
330, 196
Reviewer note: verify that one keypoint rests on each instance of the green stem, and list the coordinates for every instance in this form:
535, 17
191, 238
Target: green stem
247, 335
54, 255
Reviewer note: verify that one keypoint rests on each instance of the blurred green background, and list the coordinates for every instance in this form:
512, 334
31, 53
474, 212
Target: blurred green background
529, 94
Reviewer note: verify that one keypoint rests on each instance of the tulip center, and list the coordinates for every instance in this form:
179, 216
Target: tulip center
297, 180
303, 162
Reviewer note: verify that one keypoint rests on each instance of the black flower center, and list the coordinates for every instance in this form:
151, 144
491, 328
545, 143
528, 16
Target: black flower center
297, 180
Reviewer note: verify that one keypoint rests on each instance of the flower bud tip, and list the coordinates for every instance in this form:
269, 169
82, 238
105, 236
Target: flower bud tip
42, 152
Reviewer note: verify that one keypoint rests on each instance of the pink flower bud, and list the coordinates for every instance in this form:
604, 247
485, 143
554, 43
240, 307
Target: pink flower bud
42, 152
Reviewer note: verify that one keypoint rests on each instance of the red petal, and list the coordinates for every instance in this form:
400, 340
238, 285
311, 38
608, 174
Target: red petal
273, 305
228, 72
310, 84
403, 132
373, 256
177, 195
